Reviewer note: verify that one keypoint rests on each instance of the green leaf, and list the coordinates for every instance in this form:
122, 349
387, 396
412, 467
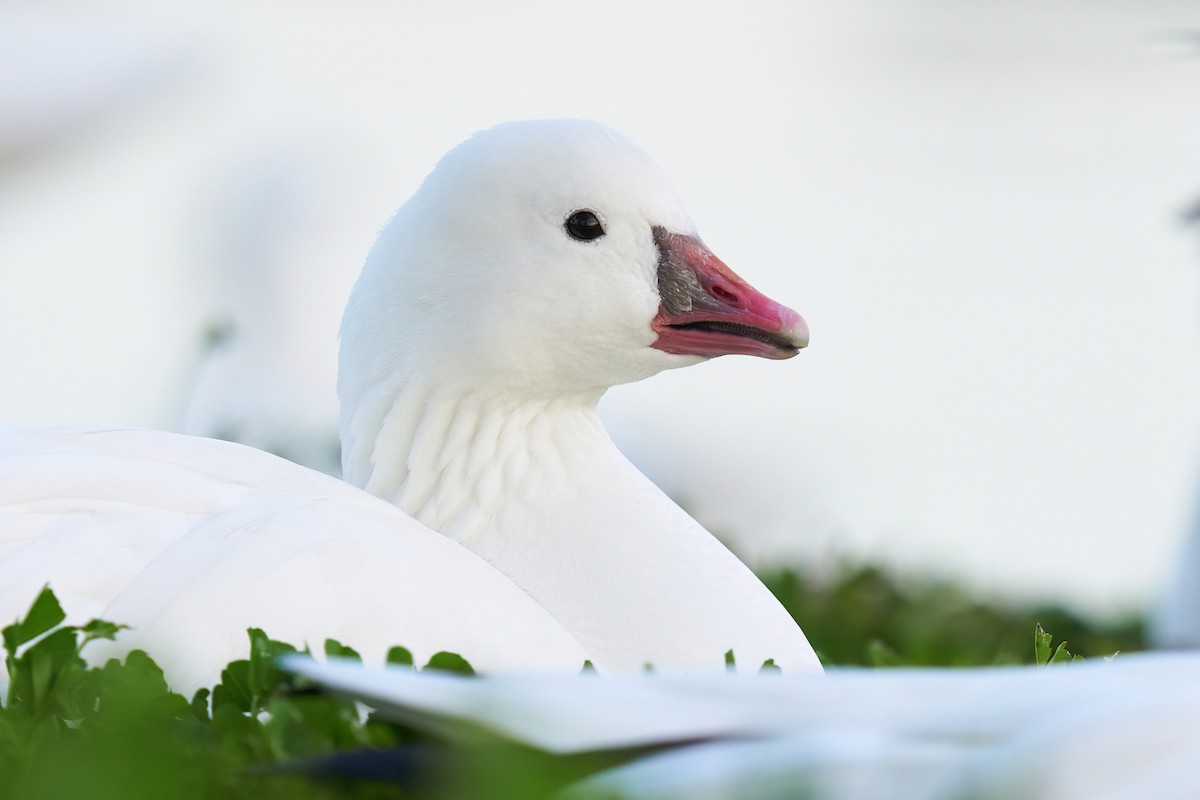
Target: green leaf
240, 735
399, 656
99, 629
1041, 646
335, 649
880, 655
75, 693
44, 614
234, 689
1042, 654
769, 667
36, 672
199, 705
730, 662
138, 688
449, 662
588, 668
264, 677
1061, 654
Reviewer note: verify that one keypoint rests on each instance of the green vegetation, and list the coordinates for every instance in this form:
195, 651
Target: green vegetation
864, 616
70, 731
117, 731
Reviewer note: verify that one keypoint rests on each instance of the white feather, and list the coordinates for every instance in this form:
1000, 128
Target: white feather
1125, 729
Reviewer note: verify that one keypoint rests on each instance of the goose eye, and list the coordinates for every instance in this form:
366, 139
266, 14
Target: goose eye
584, 226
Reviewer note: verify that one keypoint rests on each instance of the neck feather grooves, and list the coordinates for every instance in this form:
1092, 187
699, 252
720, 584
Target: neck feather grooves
456, 460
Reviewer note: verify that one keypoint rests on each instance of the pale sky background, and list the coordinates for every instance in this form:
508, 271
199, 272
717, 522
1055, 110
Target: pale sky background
975, 206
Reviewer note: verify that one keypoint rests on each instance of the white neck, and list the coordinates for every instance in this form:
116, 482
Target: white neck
537, 488
457, 459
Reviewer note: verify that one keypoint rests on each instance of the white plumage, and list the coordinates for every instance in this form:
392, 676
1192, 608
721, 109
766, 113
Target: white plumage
191, 541
1119, 730
475, 347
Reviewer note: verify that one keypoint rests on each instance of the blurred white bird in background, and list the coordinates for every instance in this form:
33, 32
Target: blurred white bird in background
1175, 622
264, 372
60, 77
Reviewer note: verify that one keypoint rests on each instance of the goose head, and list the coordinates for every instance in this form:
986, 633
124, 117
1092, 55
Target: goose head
547, 258
552, 255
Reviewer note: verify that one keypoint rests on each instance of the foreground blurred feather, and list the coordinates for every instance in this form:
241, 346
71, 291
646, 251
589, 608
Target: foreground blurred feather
1125, 728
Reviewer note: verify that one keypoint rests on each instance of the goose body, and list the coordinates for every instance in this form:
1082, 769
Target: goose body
538, 265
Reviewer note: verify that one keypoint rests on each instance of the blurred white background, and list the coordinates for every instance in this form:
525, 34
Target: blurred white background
977, 207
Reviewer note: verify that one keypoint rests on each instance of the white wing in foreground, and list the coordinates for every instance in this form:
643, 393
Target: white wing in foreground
1126, 729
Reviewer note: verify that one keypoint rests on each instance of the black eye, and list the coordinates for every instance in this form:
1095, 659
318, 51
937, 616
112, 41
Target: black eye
584, 226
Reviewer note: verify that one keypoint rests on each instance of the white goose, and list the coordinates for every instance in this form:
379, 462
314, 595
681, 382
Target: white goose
539, 264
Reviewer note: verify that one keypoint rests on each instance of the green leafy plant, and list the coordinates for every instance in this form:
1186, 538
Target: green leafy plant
865, 616
46, 672
1042, 655
69, 730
